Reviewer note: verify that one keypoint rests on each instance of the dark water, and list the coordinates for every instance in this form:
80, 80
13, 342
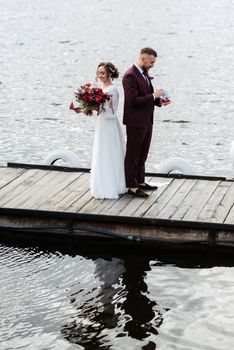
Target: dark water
57, 297
52, 298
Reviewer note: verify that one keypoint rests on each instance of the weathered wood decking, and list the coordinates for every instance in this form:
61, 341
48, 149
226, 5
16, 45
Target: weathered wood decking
53, 200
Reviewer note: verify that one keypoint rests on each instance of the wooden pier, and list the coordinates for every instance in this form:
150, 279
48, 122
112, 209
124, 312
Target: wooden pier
53, 201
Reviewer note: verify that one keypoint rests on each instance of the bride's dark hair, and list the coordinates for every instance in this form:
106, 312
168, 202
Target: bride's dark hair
111, 70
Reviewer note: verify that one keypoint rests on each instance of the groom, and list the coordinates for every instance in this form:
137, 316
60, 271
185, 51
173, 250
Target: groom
139, 102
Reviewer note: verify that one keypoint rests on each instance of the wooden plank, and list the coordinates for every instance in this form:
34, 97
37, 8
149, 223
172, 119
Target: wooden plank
97, 206
28, 189
177, 200
81, 201
138, 208
118, 207
103, 206
30, 197
225, 205
127, 201
17, 186
202, 198
45, 190
226, 208
149, 233
195, 200
9, 174
17, 181
77, 195
64, 200
60, 194
137, 202
165, 197
230, 217
211, 209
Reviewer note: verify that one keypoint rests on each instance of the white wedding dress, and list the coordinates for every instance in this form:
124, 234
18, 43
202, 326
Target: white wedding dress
107, 168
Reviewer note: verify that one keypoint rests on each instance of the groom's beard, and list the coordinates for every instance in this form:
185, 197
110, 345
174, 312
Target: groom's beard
146, 70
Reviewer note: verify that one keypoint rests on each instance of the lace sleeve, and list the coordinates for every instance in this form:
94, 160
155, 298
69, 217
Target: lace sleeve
112, 105
115, 99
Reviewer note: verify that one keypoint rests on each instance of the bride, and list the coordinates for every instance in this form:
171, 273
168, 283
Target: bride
107, 167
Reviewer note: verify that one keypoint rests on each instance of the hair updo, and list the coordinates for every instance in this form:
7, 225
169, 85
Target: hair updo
110, 69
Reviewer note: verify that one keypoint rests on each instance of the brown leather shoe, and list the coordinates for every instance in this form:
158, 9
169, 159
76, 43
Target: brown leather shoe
138, 193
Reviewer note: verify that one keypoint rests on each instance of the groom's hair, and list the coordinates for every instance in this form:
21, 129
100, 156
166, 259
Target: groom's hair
148, 51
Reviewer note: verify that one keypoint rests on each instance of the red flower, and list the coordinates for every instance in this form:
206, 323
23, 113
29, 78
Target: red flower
75, 109
90, 99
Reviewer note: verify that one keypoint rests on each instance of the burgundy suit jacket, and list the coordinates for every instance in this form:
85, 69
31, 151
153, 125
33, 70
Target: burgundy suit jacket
138, 99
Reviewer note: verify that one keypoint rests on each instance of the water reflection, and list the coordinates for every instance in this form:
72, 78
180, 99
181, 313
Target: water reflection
118, 307
66, 297
96, 307
145, 317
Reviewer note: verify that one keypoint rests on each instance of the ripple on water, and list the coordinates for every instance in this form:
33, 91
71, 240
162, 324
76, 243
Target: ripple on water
34, 297
200, 307
52, 300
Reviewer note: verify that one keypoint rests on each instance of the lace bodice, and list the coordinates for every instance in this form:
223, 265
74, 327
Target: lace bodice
111, 107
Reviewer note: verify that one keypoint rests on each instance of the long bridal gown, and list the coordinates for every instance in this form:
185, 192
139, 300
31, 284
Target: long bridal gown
107, 167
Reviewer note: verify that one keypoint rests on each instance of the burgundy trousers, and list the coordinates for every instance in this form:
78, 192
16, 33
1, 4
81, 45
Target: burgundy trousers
138, 143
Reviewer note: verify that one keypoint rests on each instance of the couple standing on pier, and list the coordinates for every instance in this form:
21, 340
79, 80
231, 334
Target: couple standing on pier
113, 170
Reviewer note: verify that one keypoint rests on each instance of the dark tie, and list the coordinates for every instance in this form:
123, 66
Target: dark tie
146, 76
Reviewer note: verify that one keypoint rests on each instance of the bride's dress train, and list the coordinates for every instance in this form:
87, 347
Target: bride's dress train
107, 168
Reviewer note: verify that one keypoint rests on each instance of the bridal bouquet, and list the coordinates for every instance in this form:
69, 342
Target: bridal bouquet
90, 99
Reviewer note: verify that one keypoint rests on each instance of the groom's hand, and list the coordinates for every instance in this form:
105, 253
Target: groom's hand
157, 93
